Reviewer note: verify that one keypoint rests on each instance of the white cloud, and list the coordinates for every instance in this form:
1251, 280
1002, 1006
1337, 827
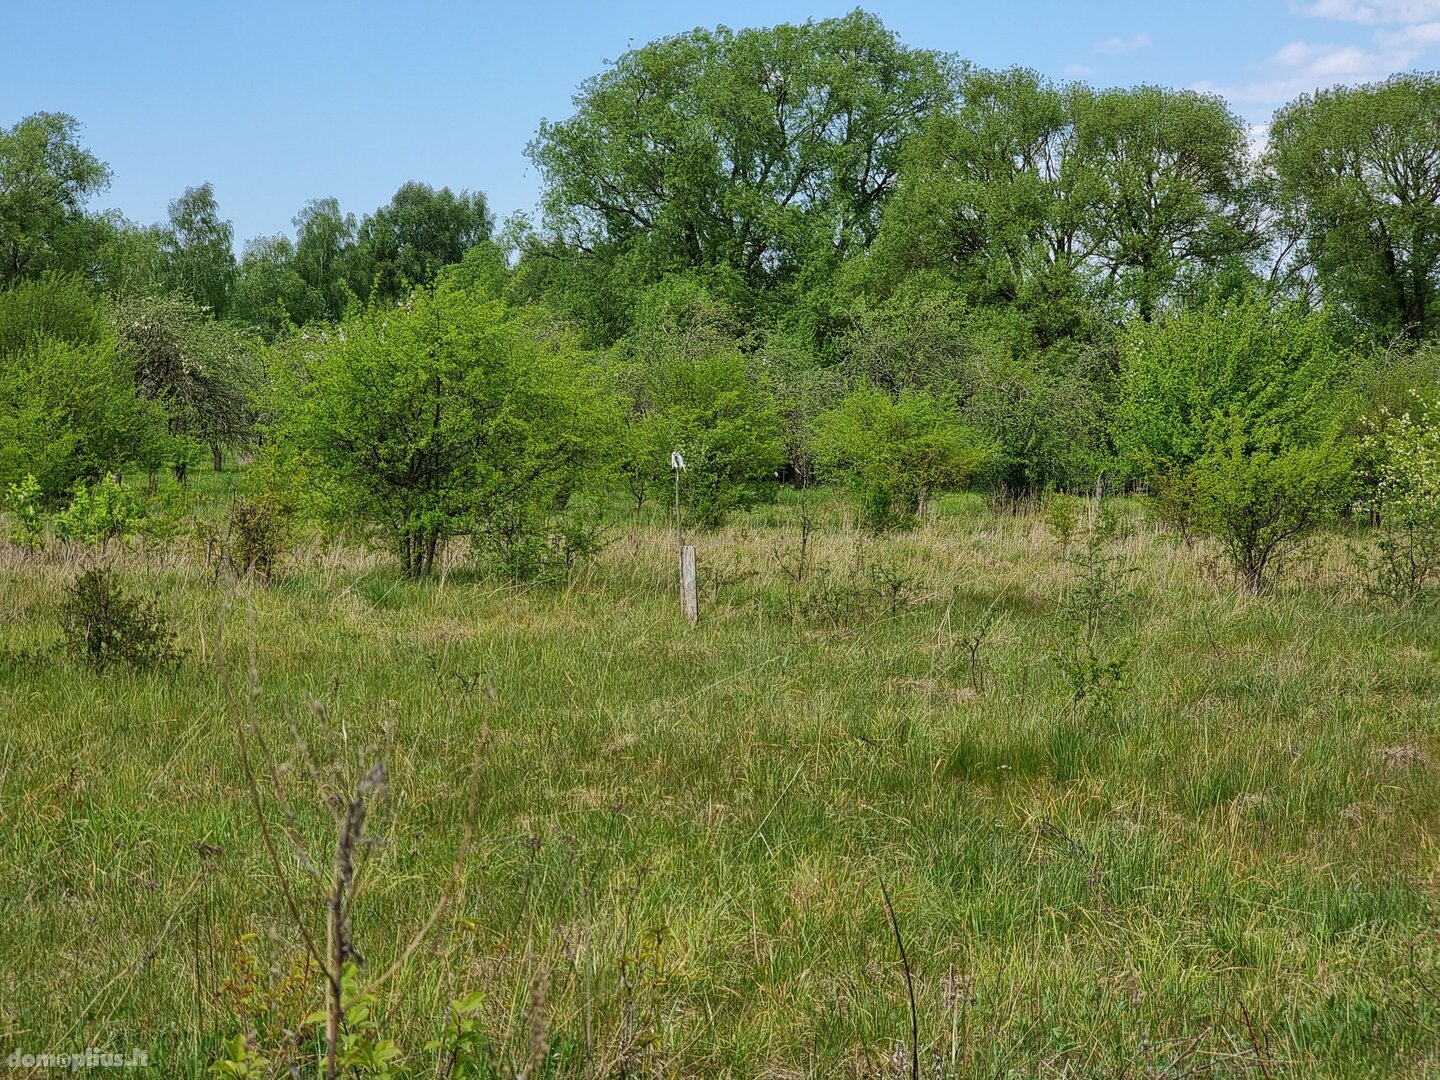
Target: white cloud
1403, 32
1420, 36
1116, 45
1372, 12
1077, 71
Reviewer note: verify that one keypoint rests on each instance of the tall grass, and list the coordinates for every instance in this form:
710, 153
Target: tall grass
681, 833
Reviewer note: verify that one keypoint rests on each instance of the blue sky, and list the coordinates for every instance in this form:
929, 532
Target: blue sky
277, 103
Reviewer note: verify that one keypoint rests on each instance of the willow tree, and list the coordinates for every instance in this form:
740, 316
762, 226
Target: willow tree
754, 152
1045, 197
46, 178
1358, 170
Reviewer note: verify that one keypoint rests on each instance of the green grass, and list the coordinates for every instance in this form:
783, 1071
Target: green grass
681, 832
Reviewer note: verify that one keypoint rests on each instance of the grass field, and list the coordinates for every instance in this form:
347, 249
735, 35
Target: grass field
681, 834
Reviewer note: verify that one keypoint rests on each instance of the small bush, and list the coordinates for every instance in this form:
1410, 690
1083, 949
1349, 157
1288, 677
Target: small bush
723, 422
1094, 655
1261, 499
100, 513
894, 453
1062, 517
23, 502
528, 552
1405, 500
1172, 503
103, 626
260, 534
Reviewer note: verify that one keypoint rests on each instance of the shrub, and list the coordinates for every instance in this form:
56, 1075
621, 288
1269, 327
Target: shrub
523, 551
722, 419
1260, 498
1173, 500
1062, 517
1046, 414
1042, 409
893, 453
1405, 500
200, 372
450, 415
1233, 411
102, 625
1250, 362
68, 407
23, 502
259, 534
1094, 657
99, 513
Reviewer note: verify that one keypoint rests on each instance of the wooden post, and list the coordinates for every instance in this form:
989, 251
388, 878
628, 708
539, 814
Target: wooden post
689, 601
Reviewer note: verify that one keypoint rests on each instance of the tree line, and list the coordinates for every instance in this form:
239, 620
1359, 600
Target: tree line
804, 251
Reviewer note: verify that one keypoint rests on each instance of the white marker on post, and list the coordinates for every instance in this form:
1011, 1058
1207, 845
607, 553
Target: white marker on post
689, 599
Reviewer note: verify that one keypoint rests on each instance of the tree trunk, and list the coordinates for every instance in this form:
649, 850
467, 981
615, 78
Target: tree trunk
217, 457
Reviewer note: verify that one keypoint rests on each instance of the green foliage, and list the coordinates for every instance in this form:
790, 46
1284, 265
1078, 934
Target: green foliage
762, 151
334, 263
361, 1050
201, 373
1047, 414
1261, 496
1045, 410
1405, 500
1031, 197
406, 243
102, 625
691, 389
921, 337
23, 502
1173, 501
1235, 412
239, 1061
1255, 362
1095, 652
452, 415
894, 452
464, 1050
68, 407
46, 177
52, 307
1062, 517
1358, 179
714, 412
1165, 181
99, 513
197, 250
260, 533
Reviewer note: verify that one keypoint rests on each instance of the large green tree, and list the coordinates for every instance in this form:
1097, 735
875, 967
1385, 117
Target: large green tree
46, 178
1052, 199
198, 249
1358, 170
987, 197
419, 232
317, 276
757, 151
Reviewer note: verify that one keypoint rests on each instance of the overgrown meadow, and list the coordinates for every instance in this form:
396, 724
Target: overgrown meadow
1064, 472
681, 838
